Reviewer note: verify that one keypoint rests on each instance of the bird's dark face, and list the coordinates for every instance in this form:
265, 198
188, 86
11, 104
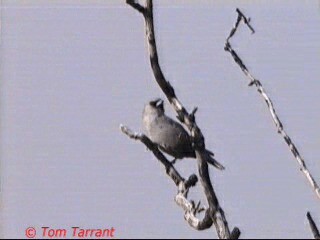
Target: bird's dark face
157, 104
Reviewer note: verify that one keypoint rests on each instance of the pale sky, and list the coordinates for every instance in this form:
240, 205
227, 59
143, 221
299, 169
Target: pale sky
71, 73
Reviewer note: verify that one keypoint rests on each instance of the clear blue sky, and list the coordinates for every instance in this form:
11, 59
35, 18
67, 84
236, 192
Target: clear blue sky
71, 73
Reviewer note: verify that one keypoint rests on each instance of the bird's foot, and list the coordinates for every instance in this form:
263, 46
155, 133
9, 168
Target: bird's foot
173, 162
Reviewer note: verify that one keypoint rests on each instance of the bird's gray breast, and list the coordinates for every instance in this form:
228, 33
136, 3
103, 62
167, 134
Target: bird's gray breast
170, 136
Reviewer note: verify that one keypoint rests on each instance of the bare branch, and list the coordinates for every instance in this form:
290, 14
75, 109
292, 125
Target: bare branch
313, 227
261, 90
245, 20
183, 185
136, 6
214, 214
241, 17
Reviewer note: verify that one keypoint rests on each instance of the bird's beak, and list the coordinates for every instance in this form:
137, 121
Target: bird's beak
160, 105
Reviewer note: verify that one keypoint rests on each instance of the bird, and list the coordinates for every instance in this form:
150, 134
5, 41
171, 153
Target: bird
169, 135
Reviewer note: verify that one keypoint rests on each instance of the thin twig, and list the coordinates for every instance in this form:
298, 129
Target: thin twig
214, 214
261, 90
170, 170
313, 227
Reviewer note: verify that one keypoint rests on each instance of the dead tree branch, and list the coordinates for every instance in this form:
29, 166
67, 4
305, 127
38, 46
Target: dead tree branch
183, 185
261, 90
214, 214
313, 227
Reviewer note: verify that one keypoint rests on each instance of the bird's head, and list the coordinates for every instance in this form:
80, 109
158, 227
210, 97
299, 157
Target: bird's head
158, 104
154, 107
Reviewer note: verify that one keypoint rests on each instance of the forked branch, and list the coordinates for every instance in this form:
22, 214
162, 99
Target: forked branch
214, 214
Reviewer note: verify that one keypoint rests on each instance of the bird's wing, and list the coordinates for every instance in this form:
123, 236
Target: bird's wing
173, 138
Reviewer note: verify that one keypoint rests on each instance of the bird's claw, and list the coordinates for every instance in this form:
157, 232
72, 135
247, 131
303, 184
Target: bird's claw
173, 162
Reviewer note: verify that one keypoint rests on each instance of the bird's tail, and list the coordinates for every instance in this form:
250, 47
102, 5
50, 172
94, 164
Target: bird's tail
212, 161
